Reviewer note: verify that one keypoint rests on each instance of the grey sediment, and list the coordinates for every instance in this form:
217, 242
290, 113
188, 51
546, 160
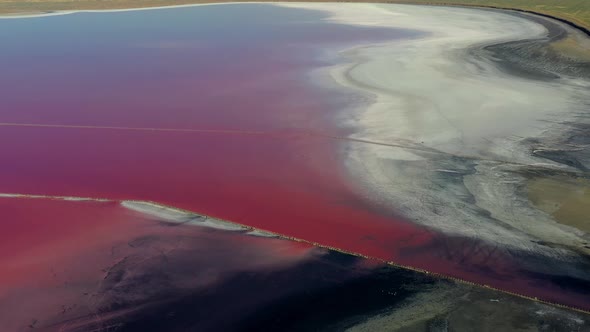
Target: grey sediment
534, 58
585, 30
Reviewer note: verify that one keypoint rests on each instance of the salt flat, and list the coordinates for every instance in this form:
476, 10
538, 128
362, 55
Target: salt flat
466, 127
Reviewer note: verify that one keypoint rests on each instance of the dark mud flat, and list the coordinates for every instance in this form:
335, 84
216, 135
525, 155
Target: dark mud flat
141, 272
330, 291
534, 58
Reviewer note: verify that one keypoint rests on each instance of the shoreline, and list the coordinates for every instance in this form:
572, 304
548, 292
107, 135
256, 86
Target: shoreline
575, 46
484, 189
585, 30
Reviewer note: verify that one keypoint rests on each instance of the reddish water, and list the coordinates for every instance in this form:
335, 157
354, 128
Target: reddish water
55, 272
255, 163
243, 151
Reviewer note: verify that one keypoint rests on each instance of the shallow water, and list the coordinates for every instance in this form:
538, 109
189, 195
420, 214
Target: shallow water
204, 108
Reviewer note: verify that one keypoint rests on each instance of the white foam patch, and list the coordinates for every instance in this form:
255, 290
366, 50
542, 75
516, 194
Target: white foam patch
262, 233
170, 214
159, 211
35, 15
217, 224
61, 198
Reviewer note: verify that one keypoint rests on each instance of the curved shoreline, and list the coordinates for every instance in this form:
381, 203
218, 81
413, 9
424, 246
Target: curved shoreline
470, 209
344, 75
580, 27
585, 30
